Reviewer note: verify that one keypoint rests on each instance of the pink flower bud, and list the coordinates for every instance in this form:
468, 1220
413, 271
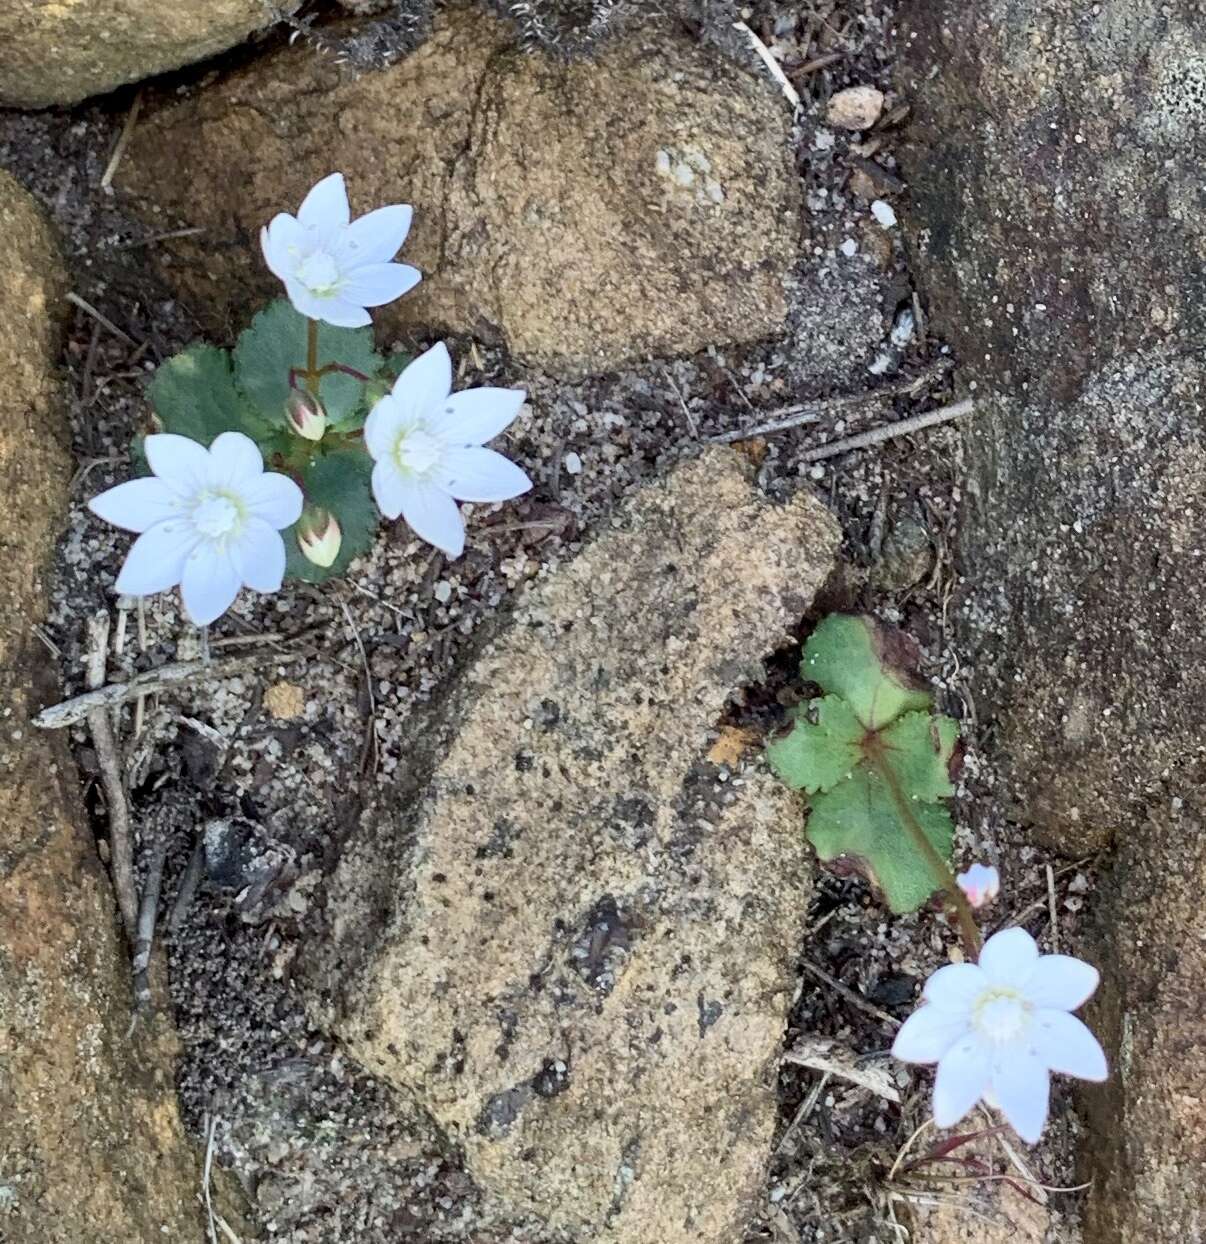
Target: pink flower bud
319, 535
306, 415
981, 883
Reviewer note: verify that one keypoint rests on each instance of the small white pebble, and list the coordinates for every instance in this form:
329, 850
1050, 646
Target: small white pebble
572, 463
884, 214
849, 248
443, 591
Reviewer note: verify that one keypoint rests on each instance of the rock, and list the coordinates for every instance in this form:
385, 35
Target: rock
855, 108
560, 932
62, 53
285, 701
587, 214
91, 1145
1054, 171
1148, 1129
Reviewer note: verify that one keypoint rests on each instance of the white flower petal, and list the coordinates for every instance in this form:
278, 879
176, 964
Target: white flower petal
282, 235
375, 237
426, 381
382, 426
155, 562
1061, 981
342, 312
325, 209
182, 463
955, 987
477, 474
433, 516
137, 504
478, 415
1009, 957
1065, 1045
233, 460
375, 284
273, 497
209, 583
961, 1080
1022, 1089
259, 557
304, 302
928, 1034
387, 489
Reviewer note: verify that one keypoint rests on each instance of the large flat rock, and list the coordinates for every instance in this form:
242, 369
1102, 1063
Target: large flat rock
560, 931
1058, 230
637, 204
60, 53
91, 1145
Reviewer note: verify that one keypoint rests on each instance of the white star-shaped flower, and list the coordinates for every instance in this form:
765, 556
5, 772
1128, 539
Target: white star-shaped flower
209, 520
334, 267
999, 1027
427, 446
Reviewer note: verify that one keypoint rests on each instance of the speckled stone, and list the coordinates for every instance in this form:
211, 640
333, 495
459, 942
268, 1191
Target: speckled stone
637, 204
562, 931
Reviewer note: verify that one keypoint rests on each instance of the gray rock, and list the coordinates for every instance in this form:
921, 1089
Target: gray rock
1057, 227
560, 932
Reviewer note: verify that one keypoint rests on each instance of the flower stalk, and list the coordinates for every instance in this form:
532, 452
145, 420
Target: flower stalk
942, 874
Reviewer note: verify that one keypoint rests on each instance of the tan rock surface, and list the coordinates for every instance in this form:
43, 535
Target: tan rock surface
560, 932
585, 214
91, 1146
62, 52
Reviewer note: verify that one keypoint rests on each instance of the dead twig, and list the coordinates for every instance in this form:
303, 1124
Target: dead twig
104, 740
148, 913
776, 70
162, 678
856, 999
187, 891
123, 141
788, 417
889, 431
103, 320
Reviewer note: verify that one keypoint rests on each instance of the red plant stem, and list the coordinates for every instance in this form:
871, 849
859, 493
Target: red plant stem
942, 874
312, 373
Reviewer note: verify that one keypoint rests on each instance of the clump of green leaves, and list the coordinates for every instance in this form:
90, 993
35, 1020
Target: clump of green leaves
873, 758
206, 391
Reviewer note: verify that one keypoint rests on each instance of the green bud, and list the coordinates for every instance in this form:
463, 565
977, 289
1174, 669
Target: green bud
319, 536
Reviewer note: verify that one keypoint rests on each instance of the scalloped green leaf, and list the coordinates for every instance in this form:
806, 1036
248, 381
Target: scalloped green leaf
194, 395
858, 821
860, 660
919, 748
275, 343
872, 757
339, 482
820, 749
